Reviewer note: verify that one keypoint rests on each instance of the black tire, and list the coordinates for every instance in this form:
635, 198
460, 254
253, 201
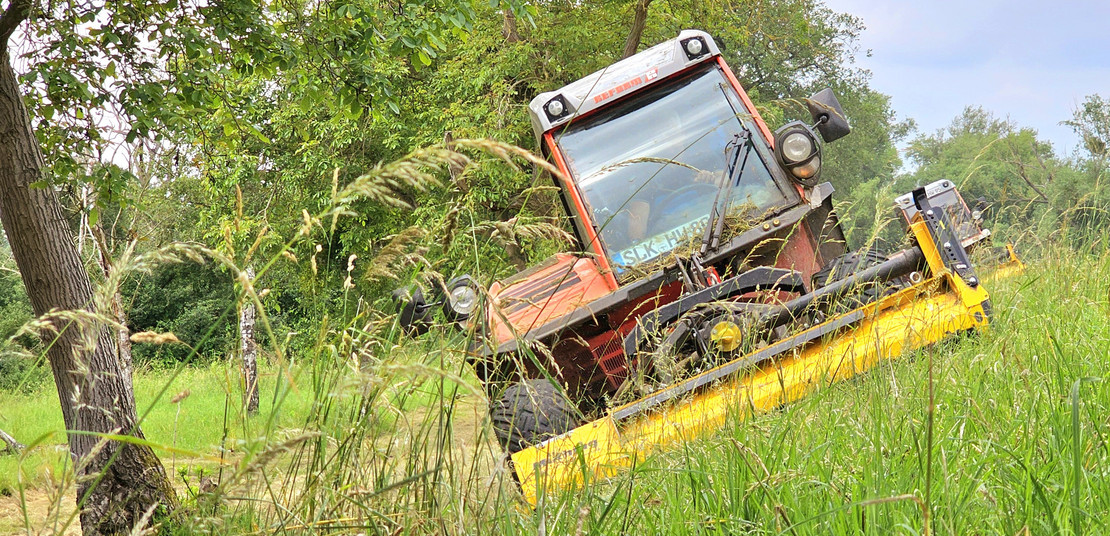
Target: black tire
846, 265
530, 412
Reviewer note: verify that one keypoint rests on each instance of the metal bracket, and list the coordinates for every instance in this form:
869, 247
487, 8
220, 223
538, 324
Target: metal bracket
952, 252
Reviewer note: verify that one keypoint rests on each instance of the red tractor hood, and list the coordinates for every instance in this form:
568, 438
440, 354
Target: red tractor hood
543, 294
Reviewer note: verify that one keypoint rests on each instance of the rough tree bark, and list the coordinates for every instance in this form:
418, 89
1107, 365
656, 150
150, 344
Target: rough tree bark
249, 349
123, 337
116, 482
639, 21
508, 28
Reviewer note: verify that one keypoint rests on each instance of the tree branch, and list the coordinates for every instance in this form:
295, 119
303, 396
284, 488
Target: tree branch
17, 12
10, 444
1021, 172
639, 20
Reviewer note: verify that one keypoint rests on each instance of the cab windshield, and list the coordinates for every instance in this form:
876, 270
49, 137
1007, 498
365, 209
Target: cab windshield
650, 168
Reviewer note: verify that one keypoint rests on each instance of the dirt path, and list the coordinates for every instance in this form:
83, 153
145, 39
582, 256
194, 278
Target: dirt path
42, 511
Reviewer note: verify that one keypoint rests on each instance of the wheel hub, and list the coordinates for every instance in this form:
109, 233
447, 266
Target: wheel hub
726, 336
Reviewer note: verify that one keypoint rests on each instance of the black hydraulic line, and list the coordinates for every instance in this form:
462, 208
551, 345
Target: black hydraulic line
899, 264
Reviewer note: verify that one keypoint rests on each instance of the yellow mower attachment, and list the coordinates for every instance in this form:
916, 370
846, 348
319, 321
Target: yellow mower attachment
849, 344
1009, 266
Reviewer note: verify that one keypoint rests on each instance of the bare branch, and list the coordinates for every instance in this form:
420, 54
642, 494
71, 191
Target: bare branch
17, 12
639, 20
10, 443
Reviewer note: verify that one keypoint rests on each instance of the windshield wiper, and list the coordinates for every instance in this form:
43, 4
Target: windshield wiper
740, 146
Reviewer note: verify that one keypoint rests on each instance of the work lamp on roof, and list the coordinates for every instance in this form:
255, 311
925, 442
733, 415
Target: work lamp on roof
694, 47
798, 152
556, 108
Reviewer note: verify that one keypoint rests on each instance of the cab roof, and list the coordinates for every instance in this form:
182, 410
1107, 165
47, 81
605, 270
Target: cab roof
620, 79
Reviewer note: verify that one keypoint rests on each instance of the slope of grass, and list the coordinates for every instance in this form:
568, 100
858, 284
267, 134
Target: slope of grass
1019, 438
186, 411
383, 446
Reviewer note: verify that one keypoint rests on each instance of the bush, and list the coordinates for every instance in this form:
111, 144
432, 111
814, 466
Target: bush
21, 374
194, 301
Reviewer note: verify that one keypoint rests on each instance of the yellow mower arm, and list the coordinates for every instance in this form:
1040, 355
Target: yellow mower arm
840, 348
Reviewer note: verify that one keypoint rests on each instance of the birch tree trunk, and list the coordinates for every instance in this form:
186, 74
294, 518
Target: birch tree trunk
117, 482
249, 350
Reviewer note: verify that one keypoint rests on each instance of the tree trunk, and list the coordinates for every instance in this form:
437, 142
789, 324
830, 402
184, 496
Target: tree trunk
116, 482
639, 21
249, 349
516, 255
508, 28
123, 338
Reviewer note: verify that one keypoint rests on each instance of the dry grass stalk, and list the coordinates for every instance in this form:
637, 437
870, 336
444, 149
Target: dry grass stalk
150, 337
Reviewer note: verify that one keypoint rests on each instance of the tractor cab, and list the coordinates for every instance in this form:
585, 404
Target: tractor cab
649, 168
673, 183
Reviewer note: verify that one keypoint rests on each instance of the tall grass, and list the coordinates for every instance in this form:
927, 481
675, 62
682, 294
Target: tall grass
1018, 444
372, 432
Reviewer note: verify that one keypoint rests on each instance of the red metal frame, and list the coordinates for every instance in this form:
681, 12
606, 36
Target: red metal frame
747, 102
593, 242
759, 122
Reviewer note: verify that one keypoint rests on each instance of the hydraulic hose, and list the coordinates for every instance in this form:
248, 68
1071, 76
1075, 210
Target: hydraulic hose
898, 265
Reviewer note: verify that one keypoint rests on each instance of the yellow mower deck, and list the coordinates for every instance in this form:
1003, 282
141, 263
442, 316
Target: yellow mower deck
838, 349
1006, 269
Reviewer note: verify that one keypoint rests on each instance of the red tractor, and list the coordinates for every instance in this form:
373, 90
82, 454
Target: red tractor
701, 236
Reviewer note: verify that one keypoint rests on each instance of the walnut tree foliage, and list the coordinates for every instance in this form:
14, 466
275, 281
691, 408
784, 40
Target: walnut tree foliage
239, 115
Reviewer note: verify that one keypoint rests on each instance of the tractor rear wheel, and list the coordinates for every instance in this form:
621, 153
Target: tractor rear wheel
530, 412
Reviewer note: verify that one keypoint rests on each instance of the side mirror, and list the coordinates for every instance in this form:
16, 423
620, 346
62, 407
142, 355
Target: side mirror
827, 115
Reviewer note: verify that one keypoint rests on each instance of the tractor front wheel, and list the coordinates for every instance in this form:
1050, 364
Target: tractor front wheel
530, 412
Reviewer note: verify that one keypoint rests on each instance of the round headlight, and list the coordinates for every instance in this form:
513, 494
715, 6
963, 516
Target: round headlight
807, 170
555, 108
797, 151
694, 47
796, 147
462, 299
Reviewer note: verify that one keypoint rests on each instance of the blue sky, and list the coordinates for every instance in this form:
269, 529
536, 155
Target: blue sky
1030, 61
